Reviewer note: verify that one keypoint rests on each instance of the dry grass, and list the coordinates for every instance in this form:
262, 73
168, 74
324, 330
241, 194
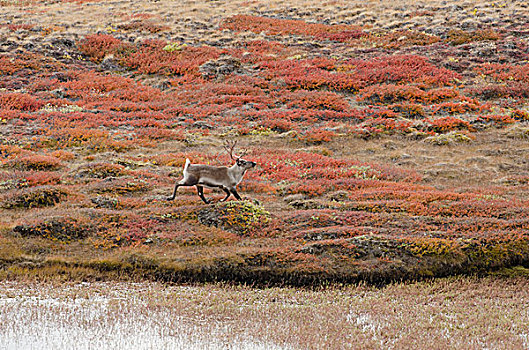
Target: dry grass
452, 313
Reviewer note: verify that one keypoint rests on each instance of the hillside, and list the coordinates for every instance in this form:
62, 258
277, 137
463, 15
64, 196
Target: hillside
391, 139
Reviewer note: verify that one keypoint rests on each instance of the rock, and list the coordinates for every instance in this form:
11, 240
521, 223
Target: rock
58, 93
339, 196
221, 66
202, 125
294, 197
307, 204
110, 63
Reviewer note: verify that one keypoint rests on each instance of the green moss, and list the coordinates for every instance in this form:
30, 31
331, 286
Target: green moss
244, 215
448, 139
240, 217
432, 247
511, 272
172, 47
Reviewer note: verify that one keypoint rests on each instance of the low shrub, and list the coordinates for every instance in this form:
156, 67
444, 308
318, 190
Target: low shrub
447, 124
102, 170
120, 186
35, 162
492, 119
409, 110
56, 228
318, 136
448, 139
40, 178
459, 37
99, 45
19, 101
240, 217
35, 197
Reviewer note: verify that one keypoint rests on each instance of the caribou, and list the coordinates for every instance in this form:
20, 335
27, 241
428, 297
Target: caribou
223, 177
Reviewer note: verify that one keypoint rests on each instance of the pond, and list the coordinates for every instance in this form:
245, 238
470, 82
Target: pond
451, 313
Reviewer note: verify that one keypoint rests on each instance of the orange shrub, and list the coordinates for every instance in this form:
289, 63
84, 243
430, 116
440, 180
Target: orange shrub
446, 124
409, 110
62, 155
35, 162
317, 136
456, 108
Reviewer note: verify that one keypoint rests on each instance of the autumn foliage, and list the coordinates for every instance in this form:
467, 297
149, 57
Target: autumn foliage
92, 144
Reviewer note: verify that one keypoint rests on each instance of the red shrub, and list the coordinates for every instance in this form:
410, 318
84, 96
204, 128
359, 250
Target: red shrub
86, 83
402, 68
19, 101
504, 90
8, 66
389, 93
504, 72
318, 136
279, 124
15, 27
150, 57
315, 100
356, 74
98, 46
39, 178
343, 36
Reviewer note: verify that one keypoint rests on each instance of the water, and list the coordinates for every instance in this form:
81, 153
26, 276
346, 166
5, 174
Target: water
105, 316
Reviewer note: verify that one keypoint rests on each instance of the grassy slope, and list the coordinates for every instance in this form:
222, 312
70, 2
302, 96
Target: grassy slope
389, 147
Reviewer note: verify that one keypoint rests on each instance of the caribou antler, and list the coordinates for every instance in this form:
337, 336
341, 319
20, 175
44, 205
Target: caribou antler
230, 147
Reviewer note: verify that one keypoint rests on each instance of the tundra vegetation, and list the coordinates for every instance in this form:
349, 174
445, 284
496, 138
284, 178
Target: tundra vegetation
391, 140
